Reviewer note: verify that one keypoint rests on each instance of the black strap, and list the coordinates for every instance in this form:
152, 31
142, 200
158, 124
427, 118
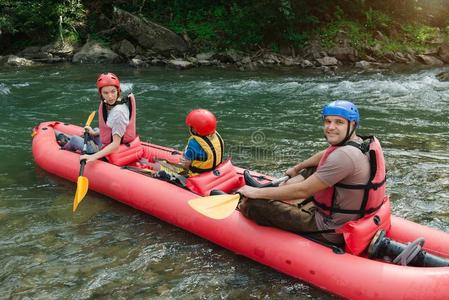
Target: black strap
215, 163
220, 140
367, 186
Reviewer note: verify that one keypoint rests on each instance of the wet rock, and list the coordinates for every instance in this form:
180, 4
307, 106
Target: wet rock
443, 53
125, 48
229, 56
305, 63
180, 64
92, 52
363, 64
137, 62
345, 54
429, 60
327, 61
443, 76
150, 35
18, 61
205, 55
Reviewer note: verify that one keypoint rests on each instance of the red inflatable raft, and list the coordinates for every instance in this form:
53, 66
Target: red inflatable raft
345, 275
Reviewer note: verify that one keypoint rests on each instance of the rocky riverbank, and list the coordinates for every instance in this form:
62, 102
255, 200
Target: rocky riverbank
141, 43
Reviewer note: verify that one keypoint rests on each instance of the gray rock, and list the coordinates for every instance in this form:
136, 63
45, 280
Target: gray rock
137, 62
92, 52
19, 61
180, 64
363, 64
429, 60
443, 76
150, 35
125, 48
205, 55
327, 61
346, 54
443, 52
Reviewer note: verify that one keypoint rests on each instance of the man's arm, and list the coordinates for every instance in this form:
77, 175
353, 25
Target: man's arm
300, 190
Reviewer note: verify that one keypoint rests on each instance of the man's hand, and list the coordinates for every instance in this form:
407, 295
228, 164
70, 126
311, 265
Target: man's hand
291, 172
249, 192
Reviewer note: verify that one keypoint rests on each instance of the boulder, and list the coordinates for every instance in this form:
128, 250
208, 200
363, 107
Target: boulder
180, 64
346, 54
19, 61
92, 52
327, 61
443, 76
443, 52
125, 48
150, 35
429, 60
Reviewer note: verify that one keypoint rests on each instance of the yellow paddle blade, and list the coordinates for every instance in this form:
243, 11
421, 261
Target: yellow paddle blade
82, 185
169, 167
216, 207
91, 117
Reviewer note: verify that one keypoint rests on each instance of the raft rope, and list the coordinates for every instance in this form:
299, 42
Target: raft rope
409, 253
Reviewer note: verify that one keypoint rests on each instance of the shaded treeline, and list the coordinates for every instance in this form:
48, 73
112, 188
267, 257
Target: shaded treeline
218, 24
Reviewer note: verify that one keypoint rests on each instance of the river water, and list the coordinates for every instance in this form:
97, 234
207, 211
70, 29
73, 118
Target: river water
269, 120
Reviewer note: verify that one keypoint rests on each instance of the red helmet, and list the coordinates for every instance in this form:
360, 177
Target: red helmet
108, 79
202, 120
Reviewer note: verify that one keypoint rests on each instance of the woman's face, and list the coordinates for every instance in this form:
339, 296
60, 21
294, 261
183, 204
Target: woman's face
109, 94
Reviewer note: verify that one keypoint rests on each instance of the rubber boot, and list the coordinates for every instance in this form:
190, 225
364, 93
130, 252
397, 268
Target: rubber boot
388, 249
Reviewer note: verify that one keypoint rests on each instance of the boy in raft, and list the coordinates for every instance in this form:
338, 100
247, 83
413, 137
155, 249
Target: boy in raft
117, 125
204, 150
348, 184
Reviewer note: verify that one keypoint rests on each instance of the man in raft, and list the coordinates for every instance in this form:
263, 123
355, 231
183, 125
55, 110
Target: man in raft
348, 185
116, 137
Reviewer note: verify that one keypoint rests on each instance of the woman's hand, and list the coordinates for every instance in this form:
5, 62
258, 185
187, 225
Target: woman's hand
88, 157
90, 130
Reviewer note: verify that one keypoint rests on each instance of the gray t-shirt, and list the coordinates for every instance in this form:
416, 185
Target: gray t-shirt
118, 119
347, 165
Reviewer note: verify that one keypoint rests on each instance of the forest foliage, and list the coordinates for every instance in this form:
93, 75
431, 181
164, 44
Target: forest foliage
223, 24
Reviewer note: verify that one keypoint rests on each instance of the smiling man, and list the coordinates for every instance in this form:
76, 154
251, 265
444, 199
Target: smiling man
348, 184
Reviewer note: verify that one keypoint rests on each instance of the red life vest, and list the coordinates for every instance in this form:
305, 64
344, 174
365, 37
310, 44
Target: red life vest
106, 132
130, 149
374, 207
374, 189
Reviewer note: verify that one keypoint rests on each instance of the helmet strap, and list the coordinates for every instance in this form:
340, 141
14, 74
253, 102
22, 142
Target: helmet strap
349, 133
193, 132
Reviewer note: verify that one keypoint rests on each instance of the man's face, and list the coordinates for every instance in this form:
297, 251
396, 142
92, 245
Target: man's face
335, 129
109, 94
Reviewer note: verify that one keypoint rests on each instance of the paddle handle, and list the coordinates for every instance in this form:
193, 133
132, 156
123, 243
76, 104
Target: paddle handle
82, 164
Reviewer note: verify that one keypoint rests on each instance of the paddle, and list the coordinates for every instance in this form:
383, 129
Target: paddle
82, 184
221, 206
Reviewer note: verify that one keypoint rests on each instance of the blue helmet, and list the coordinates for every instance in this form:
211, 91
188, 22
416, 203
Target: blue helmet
342, 108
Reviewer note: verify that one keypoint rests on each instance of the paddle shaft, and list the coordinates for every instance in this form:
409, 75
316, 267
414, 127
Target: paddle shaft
83, 151
82, 184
